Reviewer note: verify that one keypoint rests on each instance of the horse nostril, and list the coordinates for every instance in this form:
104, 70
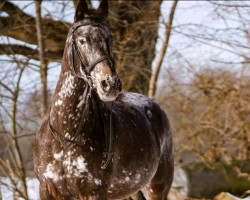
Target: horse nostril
104, 84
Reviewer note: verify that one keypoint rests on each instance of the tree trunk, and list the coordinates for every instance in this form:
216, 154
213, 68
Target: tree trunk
134, 25
14, 139
43, 61
156, 71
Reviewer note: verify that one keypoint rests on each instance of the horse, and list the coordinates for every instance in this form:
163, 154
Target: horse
96, 141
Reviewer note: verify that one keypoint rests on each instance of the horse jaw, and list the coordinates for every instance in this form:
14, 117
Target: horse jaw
107, 85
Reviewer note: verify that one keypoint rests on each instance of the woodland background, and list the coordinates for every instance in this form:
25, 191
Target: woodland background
192, 57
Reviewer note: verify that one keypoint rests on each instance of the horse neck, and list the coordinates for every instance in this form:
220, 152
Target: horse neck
70, 103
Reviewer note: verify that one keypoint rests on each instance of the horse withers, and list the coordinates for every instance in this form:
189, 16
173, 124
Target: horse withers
98, 142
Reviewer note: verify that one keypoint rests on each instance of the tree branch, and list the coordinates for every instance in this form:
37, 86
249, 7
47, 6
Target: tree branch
12, 49
125, 21
229, 5
11, 8
155, 74
17, 150
43, 61
21, 26
6, 87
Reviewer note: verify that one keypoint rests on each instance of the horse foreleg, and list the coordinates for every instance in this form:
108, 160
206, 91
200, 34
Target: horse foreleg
93, 197
48, 191
45, 193
137, 196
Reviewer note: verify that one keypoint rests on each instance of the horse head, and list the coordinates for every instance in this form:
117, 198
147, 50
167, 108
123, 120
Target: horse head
92, 55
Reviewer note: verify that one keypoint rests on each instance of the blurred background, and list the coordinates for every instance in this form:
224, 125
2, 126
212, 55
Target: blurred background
191, 57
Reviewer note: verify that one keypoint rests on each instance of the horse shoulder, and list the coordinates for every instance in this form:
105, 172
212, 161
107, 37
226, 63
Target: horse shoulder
156, 118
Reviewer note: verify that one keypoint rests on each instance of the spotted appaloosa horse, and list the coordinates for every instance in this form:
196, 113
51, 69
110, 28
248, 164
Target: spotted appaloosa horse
98, 142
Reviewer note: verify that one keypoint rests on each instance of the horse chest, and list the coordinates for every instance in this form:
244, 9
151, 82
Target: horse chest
73, 169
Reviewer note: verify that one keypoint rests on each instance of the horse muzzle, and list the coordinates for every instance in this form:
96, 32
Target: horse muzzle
109, 88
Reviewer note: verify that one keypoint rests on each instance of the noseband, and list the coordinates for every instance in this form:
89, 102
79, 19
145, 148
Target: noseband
85, 74
85, 68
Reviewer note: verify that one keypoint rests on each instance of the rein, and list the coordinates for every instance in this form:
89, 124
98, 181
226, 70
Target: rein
85, 75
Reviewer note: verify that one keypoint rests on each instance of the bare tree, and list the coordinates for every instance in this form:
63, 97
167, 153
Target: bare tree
212, 115
14, 169
155, 74
134, 25
44, 64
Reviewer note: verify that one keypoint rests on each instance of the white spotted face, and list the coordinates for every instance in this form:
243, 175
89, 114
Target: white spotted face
108, 86
94, 43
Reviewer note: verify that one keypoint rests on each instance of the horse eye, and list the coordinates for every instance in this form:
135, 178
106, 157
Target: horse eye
82, 41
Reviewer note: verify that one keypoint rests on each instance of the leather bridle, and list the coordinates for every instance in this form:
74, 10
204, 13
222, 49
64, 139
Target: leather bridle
85, 75
85, 68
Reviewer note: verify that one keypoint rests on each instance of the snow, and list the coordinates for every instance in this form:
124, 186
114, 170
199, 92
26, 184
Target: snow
81, 101
52, 173
180, 181
7, 192
75, 167
149, 113
67, 135
136, 99
81, 165
138, 177
98, 181
58, 156
127, 179
58, 102
68, 86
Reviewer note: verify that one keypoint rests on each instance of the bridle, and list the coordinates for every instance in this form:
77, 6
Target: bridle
85, 75
85, 68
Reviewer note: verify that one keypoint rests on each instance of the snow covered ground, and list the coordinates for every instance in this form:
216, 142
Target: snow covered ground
180, 185
7, 193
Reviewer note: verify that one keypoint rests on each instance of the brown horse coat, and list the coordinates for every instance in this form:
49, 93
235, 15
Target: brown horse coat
68, 166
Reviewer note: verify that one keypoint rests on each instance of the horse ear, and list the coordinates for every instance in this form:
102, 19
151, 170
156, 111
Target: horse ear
104, 8
81, 9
